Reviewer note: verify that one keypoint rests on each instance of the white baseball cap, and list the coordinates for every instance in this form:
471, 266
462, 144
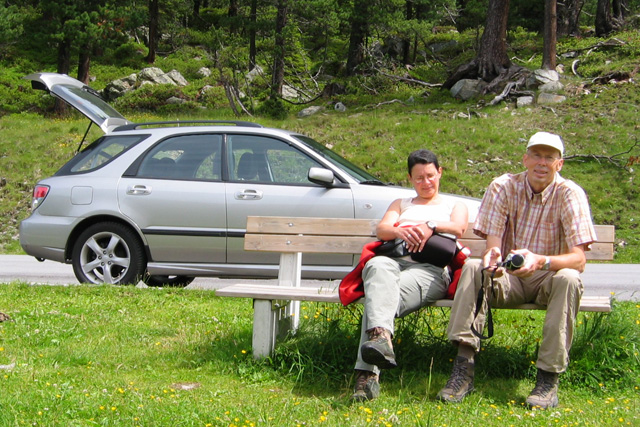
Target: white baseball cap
549, 139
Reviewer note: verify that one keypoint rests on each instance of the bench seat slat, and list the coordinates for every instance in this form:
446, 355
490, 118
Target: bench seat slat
271, 292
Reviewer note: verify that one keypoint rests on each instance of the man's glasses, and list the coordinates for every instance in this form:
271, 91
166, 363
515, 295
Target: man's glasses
547, 159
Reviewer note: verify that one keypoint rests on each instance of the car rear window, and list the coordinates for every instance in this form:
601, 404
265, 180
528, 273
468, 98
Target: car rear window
100, 153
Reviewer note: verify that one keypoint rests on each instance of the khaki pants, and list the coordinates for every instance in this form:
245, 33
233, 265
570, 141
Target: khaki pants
559, 291
394, 288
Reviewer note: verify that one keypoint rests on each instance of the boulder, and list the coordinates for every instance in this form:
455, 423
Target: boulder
551, 87
524, 101
540, 77
340, 107
203, 72
119, 87
310, 111
155, 75
466, 89
177, 78
546, 98
175, 100
289, 92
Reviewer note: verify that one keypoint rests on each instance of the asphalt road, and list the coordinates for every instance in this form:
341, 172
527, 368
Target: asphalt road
599, 279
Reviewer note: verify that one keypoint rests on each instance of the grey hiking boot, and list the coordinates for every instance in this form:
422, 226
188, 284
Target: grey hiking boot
545, 393
379, 350
367, 386
460, 382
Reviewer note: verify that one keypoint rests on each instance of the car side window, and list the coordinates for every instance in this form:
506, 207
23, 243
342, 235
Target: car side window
188, 157
263, 159
101, 152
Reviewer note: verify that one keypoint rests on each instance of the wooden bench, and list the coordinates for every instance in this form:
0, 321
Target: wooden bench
276, 307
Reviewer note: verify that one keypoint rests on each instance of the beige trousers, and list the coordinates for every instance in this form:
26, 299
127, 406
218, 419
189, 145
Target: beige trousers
559, 291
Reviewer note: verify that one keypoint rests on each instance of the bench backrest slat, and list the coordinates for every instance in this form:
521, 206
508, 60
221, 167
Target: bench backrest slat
342, 235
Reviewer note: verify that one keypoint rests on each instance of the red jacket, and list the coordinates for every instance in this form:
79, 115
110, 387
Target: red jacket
351, 288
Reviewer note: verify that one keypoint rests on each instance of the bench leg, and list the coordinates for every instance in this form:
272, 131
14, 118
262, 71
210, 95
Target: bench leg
271, 322
289, 275
264, 329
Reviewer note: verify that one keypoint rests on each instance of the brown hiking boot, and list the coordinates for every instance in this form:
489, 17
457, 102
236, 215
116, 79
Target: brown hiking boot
545, 394
460, 382
379, 350
367, 386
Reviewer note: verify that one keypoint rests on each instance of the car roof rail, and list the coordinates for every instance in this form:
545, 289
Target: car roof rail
135, 126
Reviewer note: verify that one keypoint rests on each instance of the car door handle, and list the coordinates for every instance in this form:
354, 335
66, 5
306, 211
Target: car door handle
138, 190
248, 195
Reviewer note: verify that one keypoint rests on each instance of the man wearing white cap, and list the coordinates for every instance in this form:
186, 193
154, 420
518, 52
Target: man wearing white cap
546, 220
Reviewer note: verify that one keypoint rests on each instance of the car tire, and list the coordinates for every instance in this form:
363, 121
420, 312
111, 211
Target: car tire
172, 281
108, 252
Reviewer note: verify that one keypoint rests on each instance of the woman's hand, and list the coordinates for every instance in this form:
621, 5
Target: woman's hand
415, 236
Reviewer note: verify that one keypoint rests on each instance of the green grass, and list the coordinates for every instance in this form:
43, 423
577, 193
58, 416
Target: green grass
103, 355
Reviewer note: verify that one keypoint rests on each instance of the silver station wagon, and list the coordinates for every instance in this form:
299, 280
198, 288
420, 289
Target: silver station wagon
166, 202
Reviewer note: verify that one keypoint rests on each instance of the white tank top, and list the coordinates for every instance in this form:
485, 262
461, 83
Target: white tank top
411, 214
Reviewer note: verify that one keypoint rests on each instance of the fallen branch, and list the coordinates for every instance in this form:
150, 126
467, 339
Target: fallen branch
614, 159
379, 104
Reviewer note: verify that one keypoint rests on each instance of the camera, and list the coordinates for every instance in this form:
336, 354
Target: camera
513, 262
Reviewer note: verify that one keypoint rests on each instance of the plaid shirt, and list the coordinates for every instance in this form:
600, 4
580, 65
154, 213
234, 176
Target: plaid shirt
548, 223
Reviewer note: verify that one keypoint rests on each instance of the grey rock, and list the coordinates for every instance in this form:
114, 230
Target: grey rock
466, 89
255, 72
309, 111
175, 100
551, 87
546, 98
340, 107
155, 75
289, 92
203, 72
524, 101
177, 78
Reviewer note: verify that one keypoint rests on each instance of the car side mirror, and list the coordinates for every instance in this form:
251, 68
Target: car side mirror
321, 176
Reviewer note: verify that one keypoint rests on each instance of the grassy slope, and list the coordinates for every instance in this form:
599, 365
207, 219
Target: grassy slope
473, 150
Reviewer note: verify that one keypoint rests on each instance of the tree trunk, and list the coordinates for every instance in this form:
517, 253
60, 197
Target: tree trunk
233, 15
84, 63
279, 48
568, 17
196, 8
64, 65
492, 64
492, 55
550, 25
619, 12
359, 30
154, 12
604, 24
252, 34
406, 41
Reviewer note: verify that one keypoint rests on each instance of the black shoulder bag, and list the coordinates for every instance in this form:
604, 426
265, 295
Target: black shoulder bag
439, 249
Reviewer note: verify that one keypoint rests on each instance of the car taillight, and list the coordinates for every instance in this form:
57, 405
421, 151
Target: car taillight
39, 193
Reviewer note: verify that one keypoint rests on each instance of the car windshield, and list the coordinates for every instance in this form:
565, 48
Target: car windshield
358, 174
101, 152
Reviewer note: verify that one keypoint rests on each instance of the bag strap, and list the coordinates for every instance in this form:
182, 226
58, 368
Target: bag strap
479, 302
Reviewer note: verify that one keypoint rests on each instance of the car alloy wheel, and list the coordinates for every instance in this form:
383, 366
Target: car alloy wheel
108, 252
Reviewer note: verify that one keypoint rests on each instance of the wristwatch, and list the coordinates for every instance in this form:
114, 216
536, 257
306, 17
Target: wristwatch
547, 263
431, 225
